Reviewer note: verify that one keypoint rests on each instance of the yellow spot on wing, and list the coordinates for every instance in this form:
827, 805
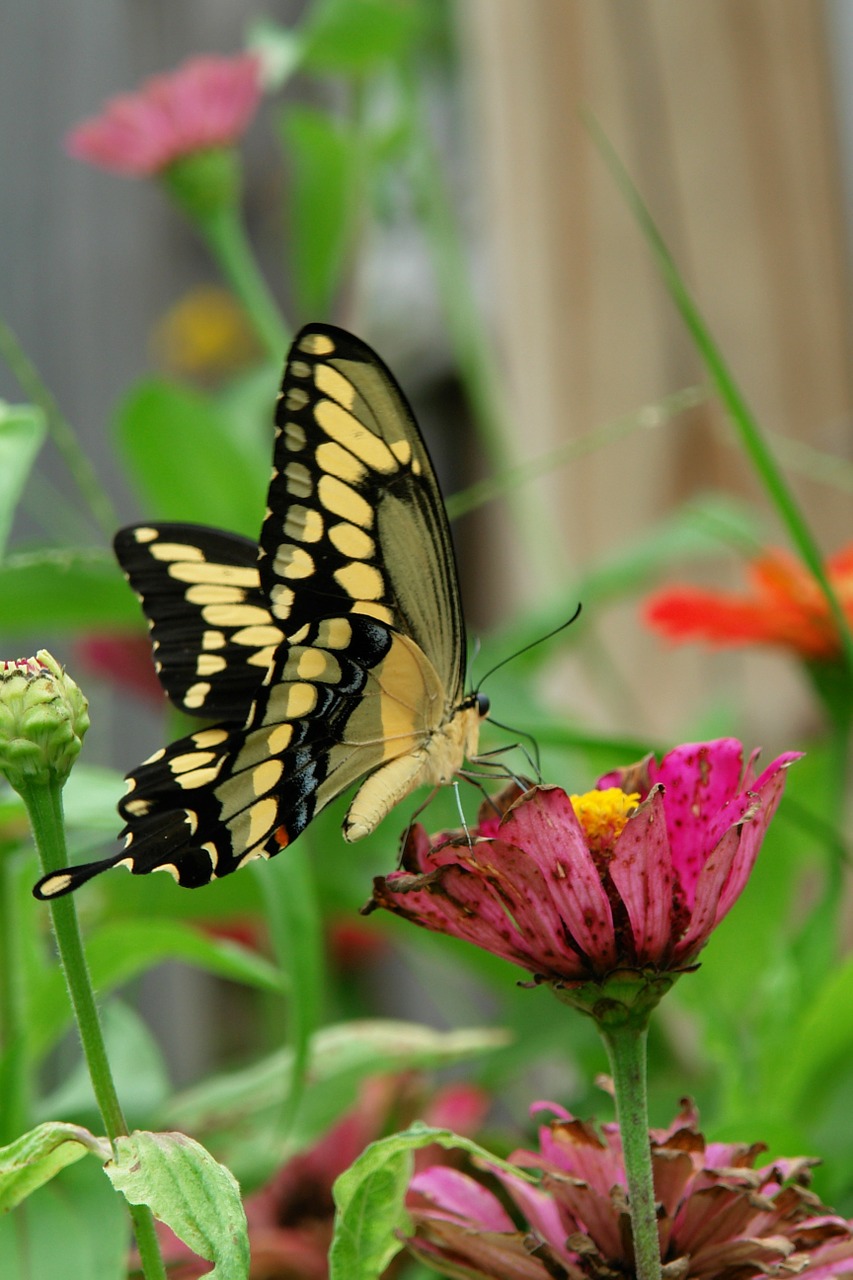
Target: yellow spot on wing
144, 534
281, 598
279, 738
293, 562
361, 581
343, 501
317, 344
176, 551
298, 479
198, 777
196, 694
227, 574
347, 430
340, 462
261, 817
352, 541
190, 760
314, 664
380, 612
213, 593
402, 451
294, 436
208, 664
209, 737
267, 776
235, 615
212, 640
334, 633
333, 383
303, 524
256, 637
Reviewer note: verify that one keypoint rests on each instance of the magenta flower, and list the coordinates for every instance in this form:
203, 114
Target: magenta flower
207, 102
632, 876
719, 1217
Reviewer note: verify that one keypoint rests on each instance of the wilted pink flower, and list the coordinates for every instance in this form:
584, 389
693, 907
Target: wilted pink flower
719, 1217
208, 101
635, 875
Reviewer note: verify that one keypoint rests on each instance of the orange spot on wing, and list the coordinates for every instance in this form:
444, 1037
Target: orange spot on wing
281, 837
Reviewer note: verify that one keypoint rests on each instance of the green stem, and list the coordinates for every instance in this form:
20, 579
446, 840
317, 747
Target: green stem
751, 436
626, 1048
60, 430
226, 238
17, 1072
44, 806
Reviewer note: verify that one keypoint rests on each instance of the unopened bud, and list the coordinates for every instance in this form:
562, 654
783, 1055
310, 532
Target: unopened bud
43, 717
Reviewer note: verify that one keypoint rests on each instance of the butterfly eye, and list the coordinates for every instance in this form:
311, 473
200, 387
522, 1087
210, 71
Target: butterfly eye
483, 705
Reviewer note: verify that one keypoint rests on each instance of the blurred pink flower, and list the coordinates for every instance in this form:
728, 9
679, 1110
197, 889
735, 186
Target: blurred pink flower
635, 875
719, 1217
206, 102
124, 660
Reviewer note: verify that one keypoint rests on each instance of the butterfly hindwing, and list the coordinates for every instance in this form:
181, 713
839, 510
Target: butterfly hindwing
212, 633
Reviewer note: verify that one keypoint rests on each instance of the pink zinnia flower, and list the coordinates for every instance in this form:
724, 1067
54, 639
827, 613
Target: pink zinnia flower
632, 876
719, 1217
207, 102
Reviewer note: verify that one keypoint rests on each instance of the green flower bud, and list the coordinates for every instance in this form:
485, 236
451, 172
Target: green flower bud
43, 717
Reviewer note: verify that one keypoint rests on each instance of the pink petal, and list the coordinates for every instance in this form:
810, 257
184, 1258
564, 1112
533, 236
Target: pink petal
698, 778
641, 870
545, 825
454, 1195
709, 889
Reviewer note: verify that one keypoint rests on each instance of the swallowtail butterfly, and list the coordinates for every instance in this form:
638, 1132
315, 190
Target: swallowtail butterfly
331, 651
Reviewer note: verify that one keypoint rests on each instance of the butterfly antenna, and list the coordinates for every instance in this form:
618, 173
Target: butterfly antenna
526, 648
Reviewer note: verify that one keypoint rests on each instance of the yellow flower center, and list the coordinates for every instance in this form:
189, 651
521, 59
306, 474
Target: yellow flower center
603, 814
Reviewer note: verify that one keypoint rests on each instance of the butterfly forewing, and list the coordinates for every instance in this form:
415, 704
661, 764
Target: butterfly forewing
211, 629
355, 520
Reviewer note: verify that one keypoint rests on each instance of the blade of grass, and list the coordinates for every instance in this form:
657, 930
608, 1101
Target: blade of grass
751, 436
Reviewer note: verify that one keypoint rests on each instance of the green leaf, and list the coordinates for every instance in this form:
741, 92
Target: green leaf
77, 1218
36, 1157
22, 432
238, 1113
74, 588
369, 1199
187, 1189
353, 37
325, 158
120, 951
180, 453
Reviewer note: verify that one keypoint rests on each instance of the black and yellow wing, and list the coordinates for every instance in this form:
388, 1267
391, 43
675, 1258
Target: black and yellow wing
340, 637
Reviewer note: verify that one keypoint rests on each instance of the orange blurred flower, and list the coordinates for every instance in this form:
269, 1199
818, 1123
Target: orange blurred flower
785, 608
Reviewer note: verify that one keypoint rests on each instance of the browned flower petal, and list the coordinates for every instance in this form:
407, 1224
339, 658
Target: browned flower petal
735, 1259
478, 1255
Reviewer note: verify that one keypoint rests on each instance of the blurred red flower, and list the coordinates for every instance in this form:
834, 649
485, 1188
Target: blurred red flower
785, 608
124, 660
206, 102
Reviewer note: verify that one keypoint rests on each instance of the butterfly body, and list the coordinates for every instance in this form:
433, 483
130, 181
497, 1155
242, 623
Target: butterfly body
332, 651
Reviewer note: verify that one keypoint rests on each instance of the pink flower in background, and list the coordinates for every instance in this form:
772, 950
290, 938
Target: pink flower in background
634, 875
208, 101
124, 660
720, 1218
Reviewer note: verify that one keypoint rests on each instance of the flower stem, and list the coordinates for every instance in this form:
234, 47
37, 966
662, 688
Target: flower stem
17, 1075
226, 238
44, 806
626, 1049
